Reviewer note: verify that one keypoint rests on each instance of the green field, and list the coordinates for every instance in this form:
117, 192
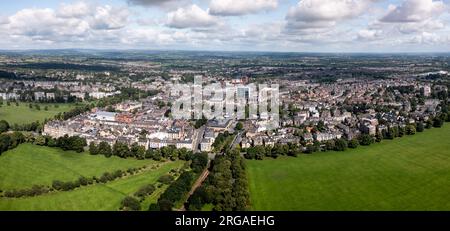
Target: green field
22, 114
30, 164
98, 197
410, 173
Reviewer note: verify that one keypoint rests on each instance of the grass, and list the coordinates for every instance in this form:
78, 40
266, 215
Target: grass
98, 197
22, 114
29, 164
410, 173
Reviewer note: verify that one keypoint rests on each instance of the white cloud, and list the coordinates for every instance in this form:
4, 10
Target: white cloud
327, 11
110, 18
43, 24
190, 17
369, 34
414, 11
76, 10
164, 4
240, 7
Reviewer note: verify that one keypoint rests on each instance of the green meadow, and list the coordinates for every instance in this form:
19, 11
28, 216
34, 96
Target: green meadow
409, 173
29, 165
22, 114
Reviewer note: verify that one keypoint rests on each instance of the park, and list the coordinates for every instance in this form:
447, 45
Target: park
405, 174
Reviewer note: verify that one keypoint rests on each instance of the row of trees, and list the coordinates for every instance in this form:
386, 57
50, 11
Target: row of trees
226, 187
137, 151
74, 143
180, 187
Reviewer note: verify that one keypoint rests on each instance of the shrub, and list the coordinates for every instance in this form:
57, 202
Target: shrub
166, 179
130, 204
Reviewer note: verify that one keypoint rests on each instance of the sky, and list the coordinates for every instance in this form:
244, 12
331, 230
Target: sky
228, 25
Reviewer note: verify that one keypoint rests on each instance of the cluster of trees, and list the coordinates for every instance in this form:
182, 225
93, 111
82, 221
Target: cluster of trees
10, 140
130, 203
226, 187
136, 151
175, 192
30, 127
180, 187
65, 142
74, 112
35, 190
199, 123
221, 142
145, 191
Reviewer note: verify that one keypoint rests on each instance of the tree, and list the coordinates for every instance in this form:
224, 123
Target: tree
310, 148
239, 126
39, 140
378, 137
410, 130
93, 150
437, 122
353, 143
420, 127
4, 126
340, 145
366, 140
104, 148
131, 204
120, 149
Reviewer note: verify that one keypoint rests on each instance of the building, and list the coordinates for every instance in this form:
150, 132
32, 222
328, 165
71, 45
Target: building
105, 116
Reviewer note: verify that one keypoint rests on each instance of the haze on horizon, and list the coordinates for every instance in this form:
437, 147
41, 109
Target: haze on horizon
228, 25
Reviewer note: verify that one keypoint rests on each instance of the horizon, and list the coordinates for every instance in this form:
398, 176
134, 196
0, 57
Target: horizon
223, 51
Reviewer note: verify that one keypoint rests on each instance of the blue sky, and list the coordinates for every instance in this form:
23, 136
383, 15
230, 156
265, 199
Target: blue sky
257, 25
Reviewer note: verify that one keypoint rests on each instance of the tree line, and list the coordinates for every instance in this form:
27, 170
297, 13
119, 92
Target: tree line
178, 189
226, 187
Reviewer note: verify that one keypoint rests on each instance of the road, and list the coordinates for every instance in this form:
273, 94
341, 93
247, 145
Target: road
237, 139
198, 136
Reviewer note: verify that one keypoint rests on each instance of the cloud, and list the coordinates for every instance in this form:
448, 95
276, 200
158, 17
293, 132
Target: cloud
76, 22
240, 7
414, 11
76, 10
109, 18
167, 4
190, 17
43, 24
369, 35
326, 12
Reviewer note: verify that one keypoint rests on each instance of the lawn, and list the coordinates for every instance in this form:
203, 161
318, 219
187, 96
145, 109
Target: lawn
30, 164
409, 173
98, 197
22, 114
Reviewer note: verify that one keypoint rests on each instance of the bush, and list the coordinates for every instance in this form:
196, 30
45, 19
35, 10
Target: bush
57, 185
353, 143
166, 179
83, 181
130, 204
145, 191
